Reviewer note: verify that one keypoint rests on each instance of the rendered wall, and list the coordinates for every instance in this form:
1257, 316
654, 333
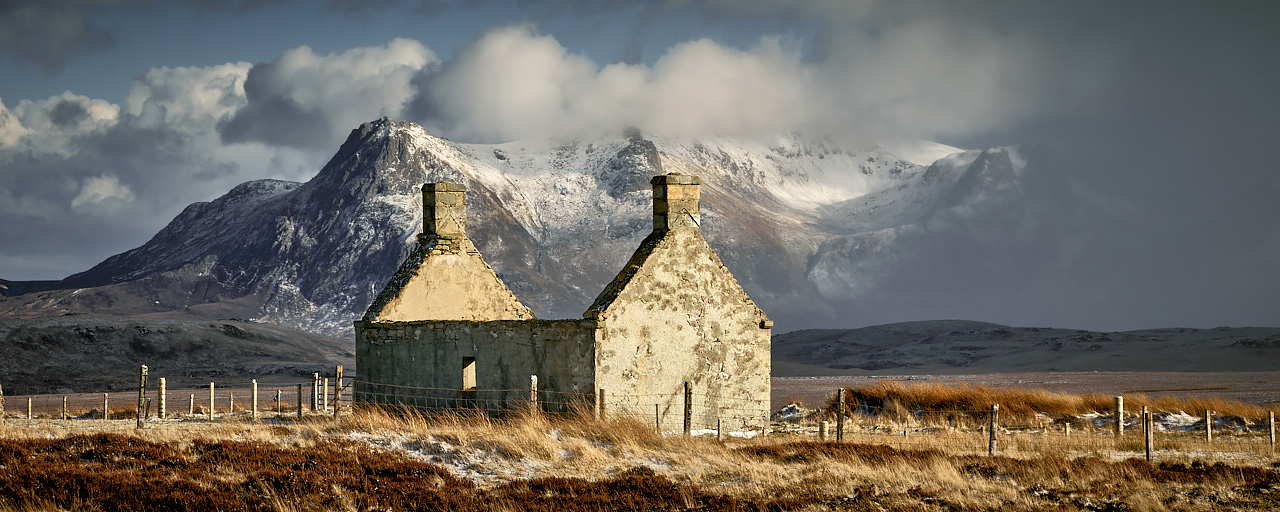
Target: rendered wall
676, 314
429, 354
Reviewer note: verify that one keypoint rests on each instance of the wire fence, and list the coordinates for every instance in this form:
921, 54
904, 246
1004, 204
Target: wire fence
1114, 434
675, 411
1142, 434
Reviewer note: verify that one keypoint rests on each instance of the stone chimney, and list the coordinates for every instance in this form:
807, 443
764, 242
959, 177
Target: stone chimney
675, 201
444, 210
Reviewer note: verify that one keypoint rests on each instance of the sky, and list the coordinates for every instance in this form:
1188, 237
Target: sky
116, 114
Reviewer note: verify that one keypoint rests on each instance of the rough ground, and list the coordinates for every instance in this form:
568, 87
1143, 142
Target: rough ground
97, 353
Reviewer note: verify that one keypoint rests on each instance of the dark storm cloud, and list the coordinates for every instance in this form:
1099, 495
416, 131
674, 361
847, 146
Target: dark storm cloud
47, 32
68, 114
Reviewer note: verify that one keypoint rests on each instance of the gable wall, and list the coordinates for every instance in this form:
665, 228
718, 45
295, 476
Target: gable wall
683, 317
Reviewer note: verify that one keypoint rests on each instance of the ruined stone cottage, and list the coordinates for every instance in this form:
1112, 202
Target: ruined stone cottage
446, 328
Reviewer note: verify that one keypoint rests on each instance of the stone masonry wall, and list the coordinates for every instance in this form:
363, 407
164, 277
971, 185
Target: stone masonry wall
430, 354
681, 316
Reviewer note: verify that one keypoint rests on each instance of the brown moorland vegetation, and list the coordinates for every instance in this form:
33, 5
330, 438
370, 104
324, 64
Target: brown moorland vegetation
377, 460
900, 400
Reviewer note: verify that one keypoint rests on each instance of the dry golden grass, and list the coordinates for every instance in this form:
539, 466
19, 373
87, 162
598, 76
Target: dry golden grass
898, 401
517, 461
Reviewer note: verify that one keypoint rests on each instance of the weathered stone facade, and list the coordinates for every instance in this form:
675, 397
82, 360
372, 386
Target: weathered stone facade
446, 324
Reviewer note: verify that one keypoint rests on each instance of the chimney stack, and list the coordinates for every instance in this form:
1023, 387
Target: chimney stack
675, 201
444, 210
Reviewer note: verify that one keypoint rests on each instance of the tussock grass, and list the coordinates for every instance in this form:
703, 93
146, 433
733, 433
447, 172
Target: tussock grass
403, 459
902, 401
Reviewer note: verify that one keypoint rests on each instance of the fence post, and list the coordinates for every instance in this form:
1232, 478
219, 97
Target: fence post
719, 429
191, 408
324, 395
105, 414
299, 401
1147, 431
1067, 429
210, 401
277, 402
1271, 423
995, 425
254, 402
315, 391
688, 408
337, 390
1119, 413
824, 429
840, 415
162, 409
29, 408
231, 402
533, 392
1208, 426
64, 407
142, 393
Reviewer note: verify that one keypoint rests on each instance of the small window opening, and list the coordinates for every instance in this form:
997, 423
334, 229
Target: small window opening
468, 373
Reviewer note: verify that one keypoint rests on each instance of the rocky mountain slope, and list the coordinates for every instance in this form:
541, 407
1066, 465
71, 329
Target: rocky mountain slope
804, 225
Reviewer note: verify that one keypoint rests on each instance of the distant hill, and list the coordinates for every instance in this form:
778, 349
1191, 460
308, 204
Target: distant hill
97, 353
958, 346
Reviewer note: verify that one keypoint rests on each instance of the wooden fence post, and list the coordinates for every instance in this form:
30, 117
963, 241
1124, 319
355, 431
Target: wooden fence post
995, 426
315, 391
64, 408
231, 402
29, 408
191, 408
1208, 426
337, 390
1067, 429
1148, 431
533, 392
254, 402
1271, 424
210, 401
824, 430
688, 408
1119, 414
142, 393
324, 395
278, 402
299, 401
105, 414
840, 415
162, 393
719, 430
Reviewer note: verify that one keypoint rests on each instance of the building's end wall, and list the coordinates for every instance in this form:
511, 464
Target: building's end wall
681, 316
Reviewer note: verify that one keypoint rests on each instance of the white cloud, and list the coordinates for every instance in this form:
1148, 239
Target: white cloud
96, 190
50, 125
303, 99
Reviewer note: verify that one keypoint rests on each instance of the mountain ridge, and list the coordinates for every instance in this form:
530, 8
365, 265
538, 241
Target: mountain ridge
799, 222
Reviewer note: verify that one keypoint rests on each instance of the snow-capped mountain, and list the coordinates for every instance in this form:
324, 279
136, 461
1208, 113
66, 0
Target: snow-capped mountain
803, 224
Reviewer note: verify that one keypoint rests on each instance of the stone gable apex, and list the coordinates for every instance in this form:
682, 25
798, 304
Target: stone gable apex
444, 277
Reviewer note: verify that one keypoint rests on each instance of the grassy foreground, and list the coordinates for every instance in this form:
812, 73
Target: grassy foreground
372, 460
